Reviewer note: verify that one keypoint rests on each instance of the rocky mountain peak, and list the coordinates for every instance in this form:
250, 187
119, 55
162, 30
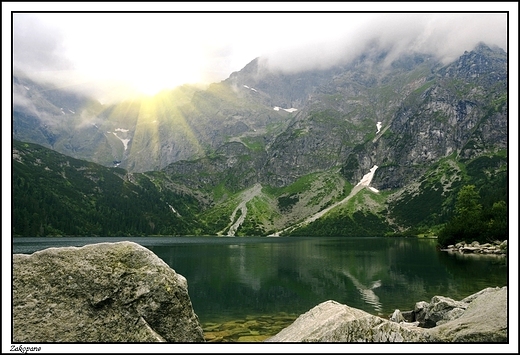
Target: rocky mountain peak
482, 61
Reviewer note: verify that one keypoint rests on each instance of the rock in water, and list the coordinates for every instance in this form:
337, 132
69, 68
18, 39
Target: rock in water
106, 292
480, 318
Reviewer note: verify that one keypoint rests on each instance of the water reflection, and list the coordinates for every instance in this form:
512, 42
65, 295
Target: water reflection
366, 292
235, 278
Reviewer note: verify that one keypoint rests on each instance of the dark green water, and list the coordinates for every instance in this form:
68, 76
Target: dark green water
233, 279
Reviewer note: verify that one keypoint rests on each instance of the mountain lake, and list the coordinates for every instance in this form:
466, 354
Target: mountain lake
246, 289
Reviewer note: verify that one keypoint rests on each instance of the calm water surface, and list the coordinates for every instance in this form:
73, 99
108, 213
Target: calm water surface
232, 279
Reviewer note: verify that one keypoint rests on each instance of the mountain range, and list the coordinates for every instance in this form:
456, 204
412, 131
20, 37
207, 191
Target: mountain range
376, 146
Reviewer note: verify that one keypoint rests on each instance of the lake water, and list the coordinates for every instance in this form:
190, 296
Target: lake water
246, 289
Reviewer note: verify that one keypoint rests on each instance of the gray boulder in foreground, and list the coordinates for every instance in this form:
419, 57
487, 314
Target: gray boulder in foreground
483, 319
106, 292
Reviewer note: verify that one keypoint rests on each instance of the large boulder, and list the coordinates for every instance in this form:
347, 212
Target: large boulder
331, 321
481, 317
483, 321
107, 292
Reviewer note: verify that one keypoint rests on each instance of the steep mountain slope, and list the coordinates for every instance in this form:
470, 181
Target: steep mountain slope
462, 110
278, 89
59, 119
143, 134
54, 194
266, 153
344, 116
400, 117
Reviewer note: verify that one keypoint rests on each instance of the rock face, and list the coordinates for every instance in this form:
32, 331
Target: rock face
107, 292
481, 317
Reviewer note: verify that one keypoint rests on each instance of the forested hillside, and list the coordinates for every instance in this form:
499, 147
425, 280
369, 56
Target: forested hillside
58, 195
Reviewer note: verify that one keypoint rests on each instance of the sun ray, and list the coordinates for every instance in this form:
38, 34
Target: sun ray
140, 133
171, 106
161, 129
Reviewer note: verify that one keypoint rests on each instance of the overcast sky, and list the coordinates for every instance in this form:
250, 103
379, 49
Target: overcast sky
112, 55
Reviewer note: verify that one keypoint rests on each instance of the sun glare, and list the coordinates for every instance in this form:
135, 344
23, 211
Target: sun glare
142, 75
143, 61
151, 84
149, 76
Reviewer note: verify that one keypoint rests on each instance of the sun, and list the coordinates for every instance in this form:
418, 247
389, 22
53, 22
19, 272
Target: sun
142, 74
150, 82
148, 75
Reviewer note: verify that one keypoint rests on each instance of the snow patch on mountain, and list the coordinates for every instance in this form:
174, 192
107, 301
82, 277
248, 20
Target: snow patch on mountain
174, 210
292, 109
250, 88
124, 141
373, 189
367, 178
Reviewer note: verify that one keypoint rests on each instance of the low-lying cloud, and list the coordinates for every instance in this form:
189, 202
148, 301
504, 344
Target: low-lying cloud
445, 36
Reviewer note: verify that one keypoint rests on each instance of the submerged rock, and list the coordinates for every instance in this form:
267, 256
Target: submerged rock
106, 292
481, 317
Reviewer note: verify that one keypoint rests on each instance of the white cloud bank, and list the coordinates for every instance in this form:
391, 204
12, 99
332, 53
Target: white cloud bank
445, 36
113, 55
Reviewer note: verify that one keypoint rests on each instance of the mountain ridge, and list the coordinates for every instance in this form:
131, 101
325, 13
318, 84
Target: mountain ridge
407, 118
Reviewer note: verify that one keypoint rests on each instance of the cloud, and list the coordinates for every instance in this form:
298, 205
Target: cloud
24, 104
112, 56
37, 47
445, 36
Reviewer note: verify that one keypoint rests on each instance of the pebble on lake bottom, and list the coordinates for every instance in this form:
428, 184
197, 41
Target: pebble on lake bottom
249, 330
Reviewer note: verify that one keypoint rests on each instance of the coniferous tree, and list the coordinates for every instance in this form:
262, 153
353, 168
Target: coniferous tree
472, 223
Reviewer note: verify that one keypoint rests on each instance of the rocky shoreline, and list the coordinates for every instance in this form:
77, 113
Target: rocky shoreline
479, 318
122, 292
495, 248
